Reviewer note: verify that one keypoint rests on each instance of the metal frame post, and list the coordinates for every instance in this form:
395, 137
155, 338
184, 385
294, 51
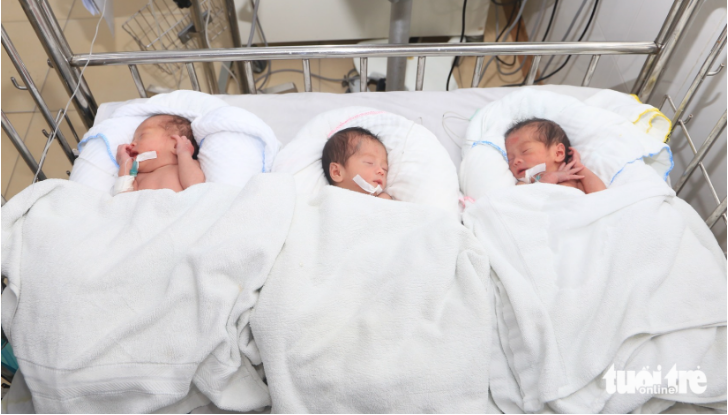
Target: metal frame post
237, 43
672, 36
35, 93
20, 146
196, 11
83, 100
666, 25
399, 29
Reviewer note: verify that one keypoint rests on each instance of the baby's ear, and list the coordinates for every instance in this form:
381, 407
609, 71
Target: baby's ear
559, 152
336, 171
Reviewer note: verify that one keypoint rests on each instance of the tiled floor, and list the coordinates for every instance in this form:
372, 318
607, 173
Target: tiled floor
114, 83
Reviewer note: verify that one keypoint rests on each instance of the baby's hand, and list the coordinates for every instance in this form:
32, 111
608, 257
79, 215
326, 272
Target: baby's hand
124, 153
575, 157
565, 173
384, 196
183, 146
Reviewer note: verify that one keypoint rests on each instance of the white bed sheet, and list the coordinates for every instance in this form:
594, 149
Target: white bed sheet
287, 113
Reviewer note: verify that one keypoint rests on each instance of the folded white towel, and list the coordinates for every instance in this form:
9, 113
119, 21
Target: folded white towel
629, 276
120, 304
375, 306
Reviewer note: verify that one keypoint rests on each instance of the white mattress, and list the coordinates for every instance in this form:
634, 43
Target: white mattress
287, 113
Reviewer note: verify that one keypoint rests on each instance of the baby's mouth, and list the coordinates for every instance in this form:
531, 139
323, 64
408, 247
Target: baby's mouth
379, 182
521, 172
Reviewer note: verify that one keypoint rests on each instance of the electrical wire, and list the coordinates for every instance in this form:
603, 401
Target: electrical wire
462, 36
75, 91
508, 22
508, 30
536, 26
568, 32
583, 33
346, 79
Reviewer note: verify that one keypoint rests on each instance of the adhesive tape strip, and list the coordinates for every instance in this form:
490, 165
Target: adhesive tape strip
149, 155
123, 184
366, 186
539, 168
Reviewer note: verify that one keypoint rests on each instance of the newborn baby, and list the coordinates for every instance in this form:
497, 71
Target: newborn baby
356, 159
162, 155
543, 145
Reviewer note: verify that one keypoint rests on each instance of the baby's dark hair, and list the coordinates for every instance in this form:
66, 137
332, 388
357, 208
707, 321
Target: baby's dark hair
342, 145
548, 131
180, 126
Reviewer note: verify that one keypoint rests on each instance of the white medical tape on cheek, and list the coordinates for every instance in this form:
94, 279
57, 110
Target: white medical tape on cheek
539, 168
123, 184
149, 155
366, 186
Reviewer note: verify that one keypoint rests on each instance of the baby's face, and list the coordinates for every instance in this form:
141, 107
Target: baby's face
525, 150
369, 162
152, 136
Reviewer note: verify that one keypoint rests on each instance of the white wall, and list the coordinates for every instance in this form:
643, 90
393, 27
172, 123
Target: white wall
629, 20
331, 20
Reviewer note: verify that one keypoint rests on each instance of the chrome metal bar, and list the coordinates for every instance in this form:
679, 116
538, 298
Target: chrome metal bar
534, 69
17, 85
232, 17
420, 73
717, 213
70, 126
706, 176
654, 73
61, 39
590, 70
307, 75
356, 51
476, 72
249, 77
138, 81
193, 76
196, 12
400, 18
35, 92
363, 75
691, 143
83, 100
702, 73
707, 144
20, 146
649, 62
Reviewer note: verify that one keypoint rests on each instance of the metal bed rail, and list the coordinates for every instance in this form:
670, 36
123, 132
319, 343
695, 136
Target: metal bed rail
67, 64
363, 52
658, 52
700, 154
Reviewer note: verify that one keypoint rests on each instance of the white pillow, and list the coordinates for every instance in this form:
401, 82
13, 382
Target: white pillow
234, 144
606, 141
644, 116
420, 169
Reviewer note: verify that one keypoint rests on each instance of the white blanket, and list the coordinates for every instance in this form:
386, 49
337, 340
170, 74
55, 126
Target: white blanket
629, 277
375, 306
128, 303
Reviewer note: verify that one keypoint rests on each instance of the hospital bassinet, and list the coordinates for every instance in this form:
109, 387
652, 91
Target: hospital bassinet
427, 106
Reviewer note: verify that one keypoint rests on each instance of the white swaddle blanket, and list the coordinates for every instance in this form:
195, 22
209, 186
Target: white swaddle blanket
375, 306
629, 277
122, 304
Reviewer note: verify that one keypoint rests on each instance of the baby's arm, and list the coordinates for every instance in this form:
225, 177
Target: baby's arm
125, 161
591, 182
190, 172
